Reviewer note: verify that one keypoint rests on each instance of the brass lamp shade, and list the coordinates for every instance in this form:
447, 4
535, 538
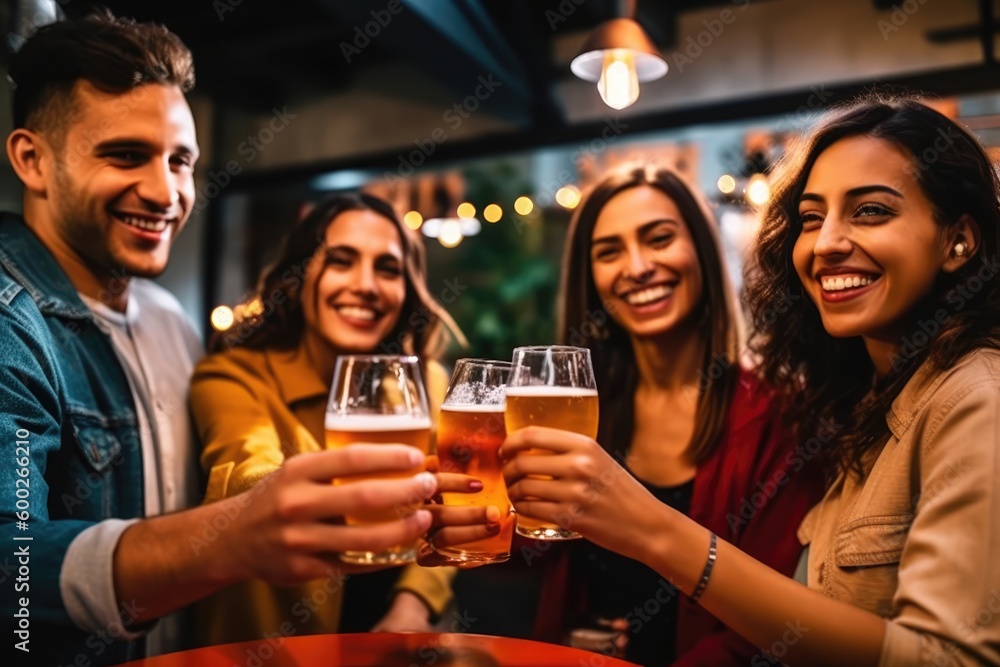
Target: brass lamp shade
620, 33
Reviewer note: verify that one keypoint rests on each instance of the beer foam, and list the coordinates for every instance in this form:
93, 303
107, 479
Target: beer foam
544, 390
375, 423
476, 393
491, 409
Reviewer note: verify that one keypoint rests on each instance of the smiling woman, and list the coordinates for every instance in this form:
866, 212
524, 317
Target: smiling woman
893, 196
902, 562
348, 279
643, 275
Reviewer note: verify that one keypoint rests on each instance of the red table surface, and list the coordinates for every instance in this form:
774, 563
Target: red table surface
383, 649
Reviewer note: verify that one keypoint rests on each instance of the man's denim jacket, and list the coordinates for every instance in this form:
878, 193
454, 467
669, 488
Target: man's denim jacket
71, 449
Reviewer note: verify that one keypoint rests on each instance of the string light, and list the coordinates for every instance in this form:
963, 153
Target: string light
492, 213
758, 191
222, 318
413, 220
568, 196
450, 234
523, 205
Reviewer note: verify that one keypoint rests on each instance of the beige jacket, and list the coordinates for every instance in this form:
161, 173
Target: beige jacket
918, 541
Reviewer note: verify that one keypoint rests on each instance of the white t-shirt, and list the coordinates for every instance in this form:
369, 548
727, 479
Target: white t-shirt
158, 348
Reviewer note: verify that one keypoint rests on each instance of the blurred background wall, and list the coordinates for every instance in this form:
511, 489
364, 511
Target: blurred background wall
438, 103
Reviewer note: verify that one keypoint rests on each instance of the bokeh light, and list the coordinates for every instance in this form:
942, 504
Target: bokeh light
222, 318
523, 205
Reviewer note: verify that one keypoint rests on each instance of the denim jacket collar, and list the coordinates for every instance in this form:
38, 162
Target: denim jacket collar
31, 264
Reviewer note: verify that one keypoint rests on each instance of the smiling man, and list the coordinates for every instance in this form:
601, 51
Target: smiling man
112, 194
105, 153
97, 459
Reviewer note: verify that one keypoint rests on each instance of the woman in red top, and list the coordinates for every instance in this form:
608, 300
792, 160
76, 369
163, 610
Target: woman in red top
644, 287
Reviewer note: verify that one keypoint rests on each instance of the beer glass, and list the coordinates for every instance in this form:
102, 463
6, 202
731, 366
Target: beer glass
470, 432
378, 399
551, 386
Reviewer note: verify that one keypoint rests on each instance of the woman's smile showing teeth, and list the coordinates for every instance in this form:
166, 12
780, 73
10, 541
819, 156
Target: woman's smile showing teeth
648, 295
360, 313
838, 283
838, 287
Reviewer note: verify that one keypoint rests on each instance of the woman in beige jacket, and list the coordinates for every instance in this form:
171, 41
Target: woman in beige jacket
876, 307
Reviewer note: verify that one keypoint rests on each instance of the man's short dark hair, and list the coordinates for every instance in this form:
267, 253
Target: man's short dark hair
113, 54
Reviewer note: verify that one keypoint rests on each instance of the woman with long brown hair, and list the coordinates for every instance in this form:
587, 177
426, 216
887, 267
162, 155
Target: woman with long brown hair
645, 288
881, 239
349, 279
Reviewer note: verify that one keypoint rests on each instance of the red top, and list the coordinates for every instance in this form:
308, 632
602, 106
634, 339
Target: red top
753, 492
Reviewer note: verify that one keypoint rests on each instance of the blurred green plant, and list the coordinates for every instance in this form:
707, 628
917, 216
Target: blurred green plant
509, 273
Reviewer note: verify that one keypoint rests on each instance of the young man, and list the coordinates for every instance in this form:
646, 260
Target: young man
97, 458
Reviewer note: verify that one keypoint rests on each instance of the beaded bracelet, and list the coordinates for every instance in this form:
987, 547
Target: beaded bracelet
707, 572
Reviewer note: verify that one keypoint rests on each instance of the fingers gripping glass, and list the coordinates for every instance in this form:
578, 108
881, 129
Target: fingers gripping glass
470, 432
378, 399
551, 386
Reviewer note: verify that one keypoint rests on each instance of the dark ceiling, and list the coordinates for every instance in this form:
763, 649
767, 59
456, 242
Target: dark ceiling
252, 54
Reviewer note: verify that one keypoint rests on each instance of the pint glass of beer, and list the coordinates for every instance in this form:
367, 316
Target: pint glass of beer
470, 432
551, 386
378, 399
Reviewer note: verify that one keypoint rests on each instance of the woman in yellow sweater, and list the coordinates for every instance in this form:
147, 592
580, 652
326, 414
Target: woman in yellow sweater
349, 279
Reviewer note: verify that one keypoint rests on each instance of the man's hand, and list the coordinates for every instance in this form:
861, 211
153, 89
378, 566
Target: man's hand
286, 530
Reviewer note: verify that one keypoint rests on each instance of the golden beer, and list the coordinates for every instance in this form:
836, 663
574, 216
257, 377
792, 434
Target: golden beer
346, 430
572, 409
469, 439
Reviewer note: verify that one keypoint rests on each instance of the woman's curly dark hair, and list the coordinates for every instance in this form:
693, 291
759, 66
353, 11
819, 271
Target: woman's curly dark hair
276, 319
822, 376
585, 320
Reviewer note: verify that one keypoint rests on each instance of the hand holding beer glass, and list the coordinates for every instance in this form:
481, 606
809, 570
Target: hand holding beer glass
378, 399
551, 386
470, 432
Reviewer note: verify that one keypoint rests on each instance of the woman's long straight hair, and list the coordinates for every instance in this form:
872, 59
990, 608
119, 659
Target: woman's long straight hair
584, 320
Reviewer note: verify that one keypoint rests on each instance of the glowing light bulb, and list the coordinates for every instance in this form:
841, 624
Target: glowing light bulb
568, 196
758, 190
451, 233
222, 318
619, 82
726, 184
523, 205
413, 220
466, 210
492, 213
